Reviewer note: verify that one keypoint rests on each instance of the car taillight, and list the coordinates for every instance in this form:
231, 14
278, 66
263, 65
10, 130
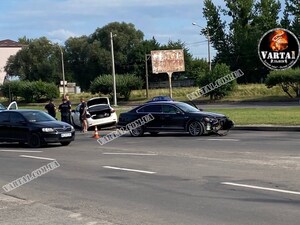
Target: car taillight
112, 110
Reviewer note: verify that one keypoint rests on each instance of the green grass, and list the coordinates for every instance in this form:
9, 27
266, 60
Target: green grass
276, 116
241, 116
249, 92
288, 116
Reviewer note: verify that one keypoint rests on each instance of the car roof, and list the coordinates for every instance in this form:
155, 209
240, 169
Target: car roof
22, 110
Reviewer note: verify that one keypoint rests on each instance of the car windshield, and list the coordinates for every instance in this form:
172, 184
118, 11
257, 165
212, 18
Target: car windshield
186, 107
37, 116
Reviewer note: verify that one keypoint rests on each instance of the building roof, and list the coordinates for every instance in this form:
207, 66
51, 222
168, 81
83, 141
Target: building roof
9, 43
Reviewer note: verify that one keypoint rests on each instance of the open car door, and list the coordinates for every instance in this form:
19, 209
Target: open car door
12, 105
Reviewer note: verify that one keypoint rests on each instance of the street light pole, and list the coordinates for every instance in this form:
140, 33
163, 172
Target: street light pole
62, 66
208, 44
113, 68
63, 69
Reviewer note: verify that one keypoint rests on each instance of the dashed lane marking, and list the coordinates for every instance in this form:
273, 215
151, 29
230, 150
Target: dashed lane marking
129, 153
20, 151
129, 170
35, 157
261, 188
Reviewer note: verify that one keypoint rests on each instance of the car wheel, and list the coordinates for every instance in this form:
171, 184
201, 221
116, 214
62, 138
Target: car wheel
34, 140
154, 133
196, 128
137, 132
65, 143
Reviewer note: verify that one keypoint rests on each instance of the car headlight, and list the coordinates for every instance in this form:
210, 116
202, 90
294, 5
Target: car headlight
206, 119
72, 128
47, 129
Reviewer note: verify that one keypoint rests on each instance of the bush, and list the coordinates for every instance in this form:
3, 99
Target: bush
124, 84
220, 70
30, 91
287, 79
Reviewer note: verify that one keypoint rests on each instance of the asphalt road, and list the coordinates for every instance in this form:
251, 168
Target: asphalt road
244, 178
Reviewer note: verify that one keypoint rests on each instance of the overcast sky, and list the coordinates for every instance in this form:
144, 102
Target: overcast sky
60, 19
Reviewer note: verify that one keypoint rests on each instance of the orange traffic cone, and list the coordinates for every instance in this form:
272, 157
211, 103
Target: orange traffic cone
96, 135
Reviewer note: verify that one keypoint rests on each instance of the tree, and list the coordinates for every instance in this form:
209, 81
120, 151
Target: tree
126, 38
236, 41
292, 18
288, 80
39, 60
220, 70
80, 58
124, 83
89, 56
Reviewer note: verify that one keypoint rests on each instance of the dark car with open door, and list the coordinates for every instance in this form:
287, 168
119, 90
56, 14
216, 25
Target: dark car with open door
34, 127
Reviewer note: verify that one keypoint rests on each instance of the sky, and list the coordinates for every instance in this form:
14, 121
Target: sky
60, 19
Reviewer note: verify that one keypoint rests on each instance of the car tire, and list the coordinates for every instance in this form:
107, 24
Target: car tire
195, 128
34, 140
65, 143
137, 132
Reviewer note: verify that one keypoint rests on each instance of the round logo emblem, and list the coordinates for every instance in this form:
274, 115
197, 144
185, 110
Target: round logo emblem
279, 49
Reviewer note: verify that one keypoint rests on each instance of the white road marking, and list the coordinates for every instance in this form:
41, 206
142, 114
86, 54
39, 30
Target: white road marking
35, 157
19, 151
128, 153
262, 188
217, 139
130, 170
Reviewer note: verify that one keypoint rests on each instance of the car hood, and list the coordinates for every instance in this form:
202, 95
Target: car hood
209, 114
52, 124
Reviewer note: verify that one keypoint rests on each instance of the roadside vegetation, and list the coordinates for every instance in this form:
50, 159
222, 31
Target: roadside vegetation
241, 93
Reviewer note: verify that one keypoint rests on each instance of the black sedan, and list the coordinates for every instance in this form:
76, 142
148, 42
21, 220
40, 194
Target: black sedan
34, 127
172, 116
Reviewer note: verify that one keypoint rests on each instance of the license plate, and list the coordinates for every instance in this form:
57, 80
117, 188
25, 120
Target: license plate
66, 135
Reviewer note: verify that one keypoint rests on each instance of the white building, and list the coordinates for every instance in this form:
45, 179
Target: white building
7, 48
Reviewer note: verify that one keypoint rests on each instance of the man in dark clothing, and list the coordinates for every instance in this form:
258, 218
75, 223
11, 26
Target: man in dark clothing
82, 111
65, 109
50, 107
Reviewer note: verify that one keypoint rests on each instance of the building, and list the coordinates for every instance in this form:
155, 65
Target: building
7, 48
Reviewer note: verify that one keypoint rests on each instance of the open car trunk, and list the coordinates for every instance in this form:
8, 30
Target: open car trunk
99, 111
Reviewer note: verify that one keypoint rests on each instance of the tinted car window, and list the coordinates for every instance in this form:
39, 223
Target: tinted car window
4, 117
187, 108
150, 109
2, 107
16, 118
169, 109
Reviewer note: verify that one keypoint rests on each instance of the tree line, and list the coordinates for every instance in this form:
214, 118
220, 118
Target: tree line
234, 32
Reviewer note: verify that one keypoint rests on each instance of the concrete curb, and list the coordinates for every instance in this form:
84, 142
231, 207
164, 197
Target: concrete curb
266, 128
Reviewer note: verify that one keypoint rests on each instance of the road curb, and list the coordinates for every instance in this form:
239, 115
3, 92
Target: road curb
266, 128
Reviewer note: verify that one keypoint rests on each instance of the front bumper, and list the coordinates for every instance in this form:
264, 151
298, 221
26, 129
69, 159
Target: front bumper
58, 137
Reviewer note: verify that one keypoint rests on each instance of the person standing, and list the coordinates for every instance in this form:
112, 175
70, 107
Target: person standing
69, 102
82, 112
65, 110
51, 108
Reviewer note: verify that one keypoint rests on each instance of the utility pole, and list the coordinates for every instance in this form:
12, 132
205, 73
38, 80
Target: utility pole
147, 57
113, 68
208, 44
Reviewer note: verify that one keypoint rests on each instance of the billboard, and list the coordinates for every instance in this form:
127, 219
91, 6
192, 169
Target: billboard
167, 61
